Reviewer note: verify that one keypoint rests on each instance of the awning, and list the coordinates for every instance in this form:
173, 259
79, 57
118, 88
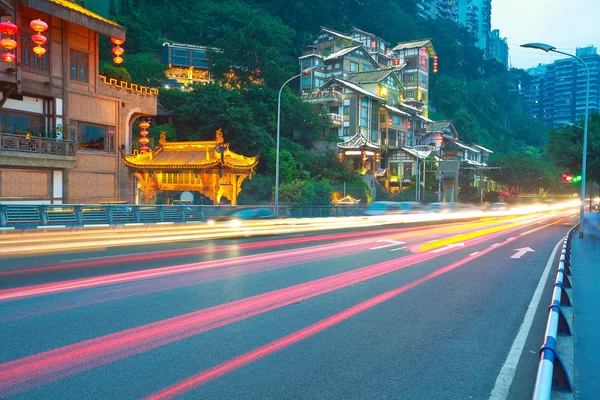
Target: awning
78, 15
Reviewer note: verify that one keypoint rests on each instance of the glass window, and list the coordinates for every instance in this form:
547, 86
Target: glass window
410, 78
179, 52
12, 122
95, 137
367, 67
31, 60
382, 118
396, 120
79, 65
353, 67
346, 110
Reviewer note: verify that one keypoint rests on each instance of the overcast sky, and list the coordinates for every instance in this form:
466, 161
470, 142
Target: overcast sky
565, 24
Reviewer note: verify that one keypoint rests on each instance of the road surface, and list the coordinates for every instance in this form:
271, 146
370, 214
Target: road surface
443, 310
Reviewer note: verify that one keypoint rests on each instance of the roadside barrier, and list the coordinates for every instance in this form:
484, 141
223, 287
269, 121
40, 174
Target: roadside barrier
20, 216
552, 374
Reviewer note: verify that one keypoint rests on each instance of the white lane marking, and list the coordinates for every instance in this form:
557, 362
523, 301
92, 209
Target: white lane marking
495, 244
399, 248
522, 251
507, 373
474, 253
393, 243
448, 247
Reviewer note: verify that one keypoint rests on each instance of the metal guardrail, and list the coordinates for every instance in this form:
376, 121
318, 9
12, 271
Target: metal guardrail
33, 215
552, 373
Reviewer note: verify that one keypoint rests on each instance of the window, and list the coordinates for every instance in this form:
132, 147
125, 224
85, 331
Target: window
410, 78
95, 137
396, 120
31, 60
423, 79
329, 67
79, 65
337, 65
382, 118
346, 110
346, 131
20, 123
366, 67
353, 67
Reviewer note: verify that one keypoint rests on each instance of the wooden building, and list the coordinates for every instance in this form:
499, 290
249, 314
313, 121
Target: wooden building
61, 124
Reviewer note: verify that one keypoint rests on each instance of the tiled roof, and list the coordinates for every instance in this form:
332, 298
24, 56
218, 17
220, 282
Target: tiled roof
342, 52
417, 153
190, 155
439, 126
353, 87
396, 110
412, 44
464, 146
358, 141
339, 34
77, 8
482, 148
371, 76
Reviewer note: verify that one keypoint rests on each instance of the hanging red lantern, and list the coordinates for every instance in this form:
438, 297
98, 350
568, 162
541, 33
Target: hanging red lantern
364, 156
8, 57
408, 124
340, 157
143, 133
396, 61
377, 157
39, 39
118, 50
8, 28
39, 50
38, 25
8, 44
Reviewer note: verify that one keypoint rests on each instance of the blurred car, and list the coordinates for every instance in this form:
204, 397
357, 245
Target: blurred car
247, 214
393, 207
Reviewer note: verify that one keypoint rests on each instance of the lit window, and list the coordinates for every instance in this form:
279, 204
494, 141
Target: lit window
79, 65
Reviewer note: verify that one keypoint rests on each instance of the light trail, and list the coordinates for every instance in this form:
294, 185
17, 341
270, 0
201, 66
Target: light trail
32, 371
33, 243
229, 366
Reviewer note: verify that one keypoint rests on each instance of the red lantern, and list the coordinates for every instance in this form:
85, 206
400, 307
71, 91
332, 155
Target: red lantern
143, 133
118, 50
38, 39
408, 124
38, 25
8, 28
364, 156
8, 44
377, 157
39, 50
396, 61
117, 41
389, 121
8, 57
340, 157
117, 60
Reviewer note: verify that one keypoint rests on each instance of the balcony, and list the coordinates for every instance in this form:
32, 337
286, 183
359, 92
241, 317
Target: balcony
323, 96
23, 151
336, 119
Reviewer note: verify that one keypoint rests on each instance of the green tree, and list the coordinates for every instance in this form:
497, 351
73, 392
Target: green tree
145, 69
522, 172
112, 71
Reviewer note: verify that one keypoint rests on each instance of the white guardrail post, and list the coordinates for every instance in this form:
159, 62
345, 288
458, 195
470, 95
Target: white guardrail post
552, 373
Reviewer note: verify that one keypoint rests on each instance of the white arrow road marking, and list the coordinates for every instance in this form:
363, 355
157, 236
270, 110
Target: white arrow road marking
448, 247
399, 248
393, 243
521, 252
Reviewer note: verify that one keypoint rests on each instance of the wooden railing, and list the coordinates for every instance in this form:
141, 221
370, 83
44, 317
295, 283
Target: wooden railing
325, 95
34, 144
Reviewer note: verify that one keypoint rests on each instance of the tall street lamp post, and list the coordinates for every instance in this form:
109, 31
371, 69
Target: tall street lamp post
547, 48
305, 71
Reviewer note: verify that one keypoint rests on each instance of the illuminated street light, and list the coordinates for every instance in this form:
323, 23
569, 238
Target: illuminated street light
305, 71
547, 48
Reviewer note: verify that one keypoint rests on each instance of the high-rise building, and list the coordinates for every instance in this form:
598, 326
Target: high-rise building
476, 15
556, 92
444, 9
498, 47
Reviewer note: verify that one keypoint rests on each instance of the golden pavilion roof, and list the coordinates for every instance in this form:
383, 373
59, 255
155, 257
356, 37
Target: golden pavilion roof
190, 156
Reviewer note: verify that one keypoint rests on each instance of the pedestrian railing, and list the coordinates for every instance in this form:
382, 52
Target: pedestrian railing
33, 215
552, 374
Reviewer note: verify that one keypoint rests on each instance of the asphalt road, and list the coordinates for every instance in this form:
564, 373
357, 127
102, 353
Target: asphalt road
437, 311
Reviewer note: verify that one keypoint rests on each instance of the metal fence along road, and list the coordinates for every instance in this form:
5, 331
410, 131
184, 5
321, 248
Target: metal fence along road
33, 215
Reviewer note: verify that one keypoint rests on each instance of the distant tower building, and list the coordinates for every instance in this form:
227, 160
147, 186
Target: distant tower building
444, 9
476, 15
556, 92
498, 47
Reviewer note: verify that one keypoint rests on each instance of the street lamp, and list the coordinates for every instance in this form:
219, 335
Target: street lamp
547, 48
305, 71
